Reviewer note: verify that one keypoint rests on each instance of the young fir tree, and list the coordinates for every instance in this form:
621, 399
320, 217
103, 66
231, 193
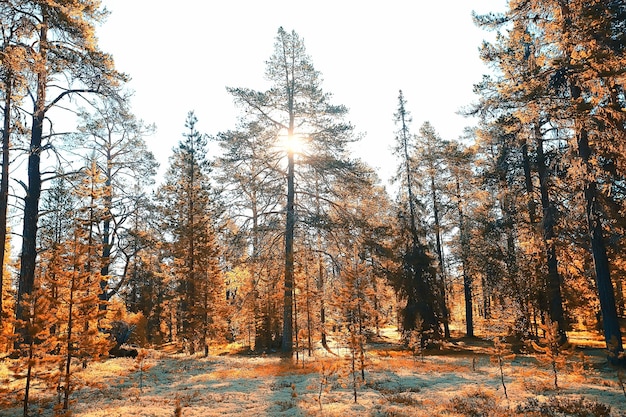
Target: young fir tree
8, 300
79, 313
146, 289
64, 318
359, 230
189, 214
39, 360
41, 352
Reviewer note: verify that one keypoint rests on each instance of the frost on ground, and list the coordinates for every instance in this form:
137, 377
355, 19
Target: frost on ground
461, 380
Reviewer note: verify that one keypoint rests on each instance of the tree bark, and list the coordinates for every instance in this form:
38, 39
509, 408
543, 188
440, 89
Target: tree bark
33, 193
467, 279
606, 294
528, 182
287, 340
106, 235
4, 185
553, 279
442, 270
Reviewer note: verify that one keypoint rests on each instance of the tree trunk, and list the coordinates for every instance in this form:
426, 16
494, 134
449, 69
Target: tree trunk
442, 270
287, 340
320, 272
606, 295
31, 200
309, 324
4, 185
320, 289
553, 279
290, 221
106, 235
528, 181
467, 279
190, 280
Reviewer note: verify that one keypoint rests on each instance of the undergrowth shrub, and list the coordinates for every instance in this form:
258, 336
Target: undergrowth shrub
538, 386
328, 370
140, 366
414, 339
564, 406
502, 353
553, 351
383, 387
403, 398
619, 362
477, 402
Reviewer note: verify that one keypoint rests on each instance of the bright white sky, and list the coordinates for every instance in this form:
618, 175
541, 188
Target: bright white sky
181, 55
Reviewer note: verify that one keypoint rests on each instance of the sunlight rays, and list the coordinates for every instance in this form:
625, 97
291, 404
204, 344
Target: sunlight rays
297, 143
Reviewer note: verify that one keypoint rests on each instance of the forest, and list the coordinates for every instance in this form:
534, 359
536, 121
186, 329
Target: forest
269, 271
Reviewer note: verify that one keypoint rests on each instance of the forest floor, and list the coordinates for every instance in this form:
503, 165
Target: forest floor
462, 379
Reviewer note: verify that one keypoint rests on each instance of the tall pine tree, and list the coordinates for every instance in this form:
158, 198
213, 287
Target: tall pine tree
188, 209
296, 108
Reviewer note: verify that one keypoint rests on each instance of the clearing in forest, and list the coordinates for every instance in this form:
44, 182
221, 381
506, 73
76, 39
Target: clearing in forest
464, 378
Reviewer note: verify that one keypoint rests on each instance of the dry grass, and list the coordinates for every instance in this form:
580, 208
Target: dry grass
397, 384
266, 370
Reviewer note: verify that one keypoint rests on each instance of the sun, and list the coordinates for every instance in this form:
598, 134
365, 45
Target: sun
295, 143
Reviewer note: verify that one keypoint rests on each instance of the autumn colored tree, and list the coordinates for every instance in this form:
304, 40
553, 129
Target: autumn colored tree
360, 229
526, 124
13, 67
147, 286
505, 250
66, 61
576, 94
64, 319
77, 279
36, 360
595, 80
